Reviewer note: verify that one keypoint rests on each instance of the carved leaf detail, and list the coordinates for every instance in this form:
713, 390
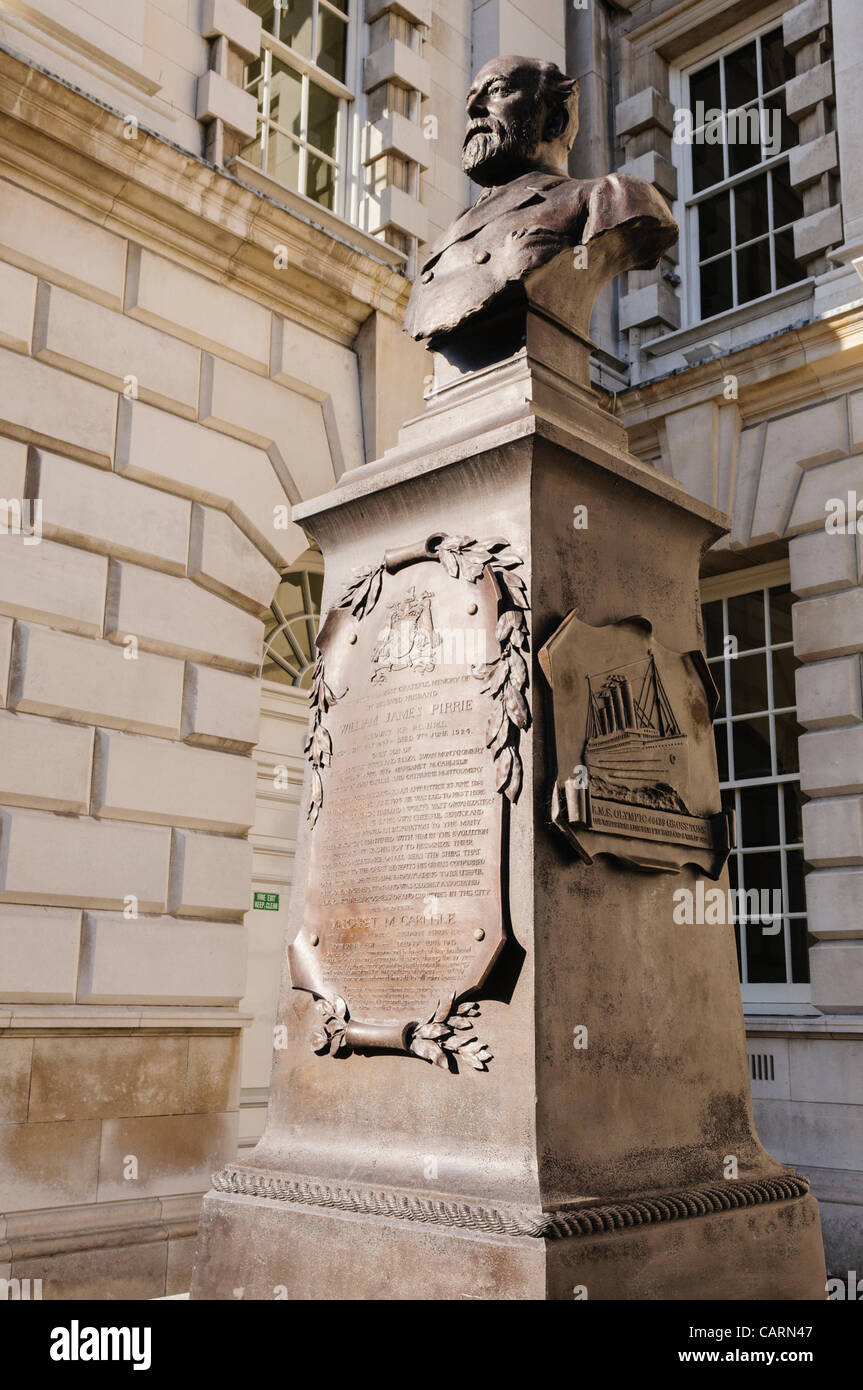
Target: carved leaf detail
449, 562
514, 785
503, 768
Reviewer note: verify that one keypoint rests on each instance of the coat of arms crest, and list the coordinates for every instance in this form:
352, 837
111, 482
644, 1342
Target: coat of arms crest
408, 638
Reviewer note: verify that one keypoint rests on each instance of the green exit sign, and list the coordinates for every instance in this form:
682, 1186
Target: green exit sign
267, 902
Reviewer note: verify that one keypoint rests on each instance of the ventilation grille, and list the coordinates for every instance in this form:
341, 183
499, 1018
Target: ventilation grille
761, 1066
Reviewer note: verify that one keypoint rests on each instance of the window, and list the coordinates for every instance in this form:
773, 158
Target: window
740, 205
301, 82
292, 624
751, 656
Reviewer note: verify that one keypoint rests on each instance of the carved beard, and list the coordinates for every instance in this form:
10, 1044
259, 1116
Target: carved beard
492, 149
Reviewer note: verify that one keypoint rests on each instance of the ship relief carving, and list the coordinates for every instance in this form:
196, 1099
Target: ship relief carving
636, 773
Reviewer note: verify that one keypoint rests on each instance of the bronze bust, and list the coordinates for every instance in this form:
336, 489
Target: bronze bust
522, 122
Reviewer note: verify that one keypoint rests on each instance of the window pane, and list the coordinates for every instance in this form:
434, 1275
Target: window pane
332, 44
788, 270
799, 952
704, 88
784, 665
267, 11
741, 76
289, 596
793, 817
781, 600
753, 271
707, 162
763, 872
777, 64
765, 956
283, 159
787, 203
721, 732
321, 182
316, 590
286, 98
750, 209
295, 27
323, 119
781, 131
714, 226
712, 616
759, 816
751, 748
744, 139
252, 152
748, 684
716, 291
795, 871
340, 5
746, 620
787, 733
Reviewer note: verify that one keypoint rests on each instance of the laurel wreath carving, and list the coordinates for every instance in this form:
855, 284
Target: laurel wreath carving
448, 1033
507, 675
360, 596
330, 1037
463, 558
445, 1037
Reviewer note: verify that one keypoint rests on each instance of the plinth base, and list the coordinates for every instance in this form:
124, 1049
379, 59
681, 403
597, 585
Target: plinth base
262, 1248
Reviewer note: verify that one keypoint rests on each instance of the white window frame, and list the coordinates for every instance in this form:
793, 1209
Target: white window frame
345, 162
775, 997
684, 210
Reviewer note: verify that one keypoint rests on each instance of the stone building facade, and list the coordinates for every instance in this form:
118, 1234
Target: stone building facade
210, 214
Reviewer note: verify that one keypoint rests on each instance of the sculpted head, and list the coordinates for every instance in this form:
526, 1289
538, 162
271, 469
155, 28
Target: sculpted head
522, 115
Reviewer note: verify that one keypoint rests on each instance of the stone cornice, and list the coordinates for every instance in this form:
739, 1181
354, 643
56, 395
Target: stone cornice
790, 369
55, 139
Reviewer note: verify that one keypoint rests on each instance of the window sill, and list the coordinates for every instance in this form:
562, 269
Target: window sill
793, 1025
310, 211
732, 318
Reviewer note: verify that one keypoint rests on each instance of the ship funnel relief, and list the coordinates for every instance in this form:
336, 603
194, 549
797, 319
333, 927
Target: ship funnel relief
635, 748
633, 737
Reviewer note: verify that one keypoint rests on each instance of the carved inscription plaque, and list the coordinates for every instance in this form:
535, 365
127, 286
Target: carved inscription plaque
403, 911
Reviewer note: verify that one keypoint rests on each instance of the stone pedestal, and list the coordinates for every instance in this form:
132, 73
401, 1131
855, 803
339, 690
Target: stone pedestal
626, 1168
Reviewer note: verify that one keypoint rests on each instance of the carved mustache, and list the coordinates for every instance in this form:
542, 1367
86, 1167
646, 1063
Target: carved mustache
484, 125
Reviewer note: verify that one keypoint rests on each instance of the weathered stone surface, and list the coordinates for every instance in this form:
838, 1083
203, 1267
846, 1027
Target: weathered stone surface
38, 955
183, 304
177, 618
110, 514
165, 783
69, 677
116, 351
44, 765
210, 875
157, 960
77, 862
53, 584
44, 238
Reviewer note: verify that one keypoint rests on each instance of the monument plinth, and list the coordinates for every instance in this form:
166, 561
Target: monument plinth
506, 1072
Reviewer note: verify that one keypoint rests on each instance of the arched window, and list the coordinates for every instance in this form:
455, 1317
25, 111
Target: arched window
292, 624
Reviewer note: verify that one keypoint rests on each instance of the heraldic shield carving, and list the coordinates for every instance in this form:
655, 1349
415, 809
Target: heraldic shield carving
636, 764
